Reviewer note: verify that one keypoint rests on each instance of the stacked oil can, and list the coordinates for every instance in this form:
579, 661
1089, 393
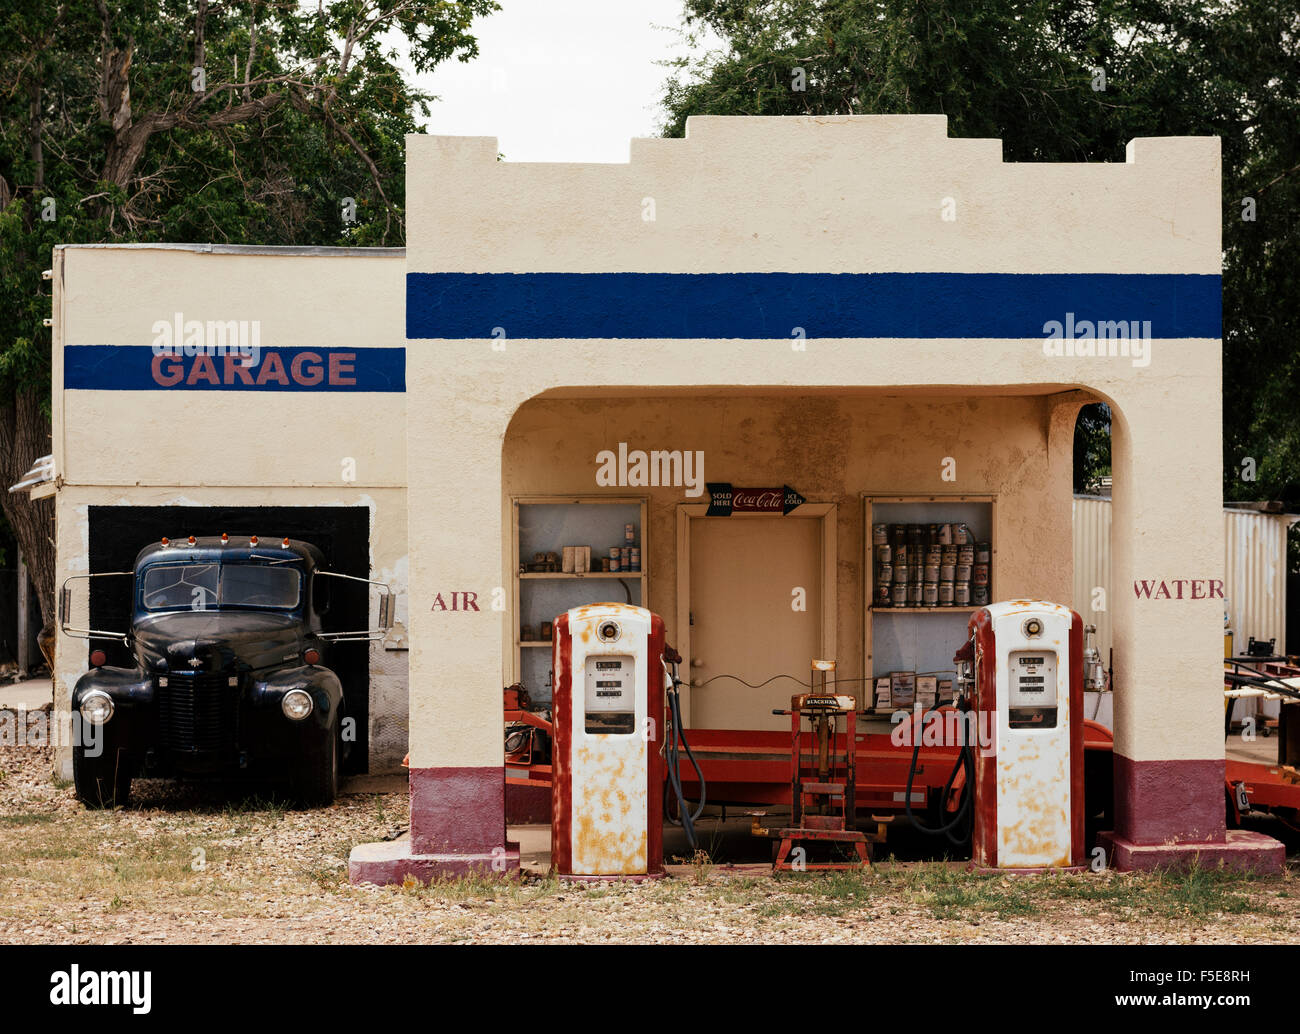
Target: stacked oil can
930, 565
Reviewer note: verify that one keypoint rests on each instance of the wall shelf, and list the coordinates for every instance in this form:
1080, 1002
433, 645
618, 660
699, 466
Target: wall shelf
913, 638
924, 610
624, 575
546, 524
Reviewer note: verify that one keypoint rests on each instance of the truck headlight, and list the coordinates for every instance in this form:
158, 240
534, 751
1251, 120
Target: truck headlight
296, 704
97, 707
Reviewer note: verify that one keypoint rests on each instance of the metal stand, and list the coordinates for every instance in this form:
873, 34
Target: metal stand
822, 782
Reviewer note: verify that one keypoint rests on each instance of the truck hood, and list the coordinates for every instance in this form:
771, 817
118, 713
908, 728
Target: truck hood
218, 640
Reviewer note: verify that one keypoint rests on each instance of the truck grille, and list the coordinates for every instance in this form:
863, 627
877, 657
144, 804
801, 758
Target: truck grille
198, 713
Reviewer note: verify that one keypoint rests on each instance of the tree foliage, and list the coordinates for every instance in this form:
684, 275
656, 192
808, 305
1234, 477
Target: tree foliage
246, 121
1091, 448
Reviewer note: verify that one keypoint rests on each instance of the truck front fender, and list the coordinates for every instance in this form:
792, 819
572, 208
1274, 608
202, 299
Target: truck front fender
323, 685
129, 686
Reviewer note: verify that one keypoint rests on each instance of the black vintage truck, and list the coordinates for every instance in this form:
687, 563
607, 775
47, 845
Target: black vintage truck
231, 671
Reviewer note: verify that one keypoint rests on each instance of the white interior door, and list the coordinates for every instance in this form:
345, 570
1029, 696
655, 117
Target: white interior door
744, 575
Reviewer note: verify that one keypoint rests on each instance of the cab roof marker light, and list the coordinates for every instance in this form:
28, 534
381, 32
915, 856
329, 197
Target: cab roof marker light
224, 538
191, 540
285, 543
252, 540
166, 542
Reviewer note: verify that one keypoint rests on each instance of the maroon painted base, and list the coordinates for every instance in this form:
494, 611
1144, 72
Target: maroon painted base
1172, 814
457, 827
1240, 850
528, 805
458, 810
1169, 802
392, 862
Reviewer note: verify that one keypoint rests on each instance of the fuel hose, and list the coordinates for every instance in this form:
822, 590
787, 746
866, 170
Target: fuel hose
676, 743
958, 828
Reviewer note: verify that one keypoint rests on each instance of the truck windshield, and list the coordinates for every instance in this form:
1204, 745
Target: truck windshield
212, 586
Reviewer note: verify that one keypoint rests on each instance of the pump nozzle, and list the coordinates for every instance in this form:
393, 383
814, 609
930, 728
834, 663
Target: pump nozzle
964, 659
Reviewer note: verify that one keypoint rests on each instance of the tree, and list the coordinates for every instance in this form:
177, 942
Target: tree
236, 122
1091, 447
1060, 81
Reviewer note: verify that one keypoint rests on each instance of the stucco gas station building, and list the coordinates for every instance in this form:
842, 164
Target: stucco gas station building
856, 308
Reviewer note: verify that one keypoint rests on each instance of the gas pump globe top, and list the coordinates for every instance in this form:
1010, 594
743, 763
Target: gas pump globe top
608, 714
1027, 690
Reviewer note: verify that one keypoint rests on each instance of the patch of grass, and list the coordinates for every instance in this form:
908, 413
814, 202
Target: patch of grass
1117, 897
742, 890
970, 901
326, 877
597, 891
954, 893
269, 807
832, 893
945, 891
1170, 894
96, 854
50, 852
667, 891
1198, 893
30, 818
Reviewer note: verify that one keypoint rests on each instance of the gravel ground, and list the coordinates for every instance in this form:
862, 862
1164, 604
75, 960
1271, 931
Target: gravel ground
187, 866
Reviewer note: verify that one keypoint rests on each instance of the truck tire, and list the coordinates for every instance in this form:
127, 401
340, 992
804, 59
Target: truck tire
317, 785
101, 782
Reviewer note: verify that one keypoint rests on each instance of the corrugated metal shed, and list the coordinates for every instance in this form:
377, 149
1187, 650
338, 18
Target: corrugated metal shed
1254, 580
1092, 565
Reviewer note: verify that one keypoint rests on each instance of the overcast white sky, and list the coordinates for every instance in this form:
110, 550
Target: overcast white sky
560, 80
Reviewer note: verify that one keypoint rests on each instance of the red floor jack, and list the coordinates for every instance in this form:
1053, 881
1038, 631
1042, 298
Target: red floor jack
822, 779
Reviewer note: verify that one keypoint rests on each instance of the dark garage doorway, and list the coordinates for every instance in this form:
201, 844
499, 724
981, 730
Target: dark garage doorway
342, 533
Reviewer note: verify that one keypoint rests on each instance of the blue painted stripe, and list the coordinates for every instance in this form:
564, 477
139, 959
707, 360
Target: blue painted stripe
825, 305
133, 368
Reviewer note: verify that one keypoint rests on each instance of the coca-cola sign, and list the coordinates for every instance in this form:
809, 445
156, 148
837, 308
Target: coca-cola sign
724, 500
